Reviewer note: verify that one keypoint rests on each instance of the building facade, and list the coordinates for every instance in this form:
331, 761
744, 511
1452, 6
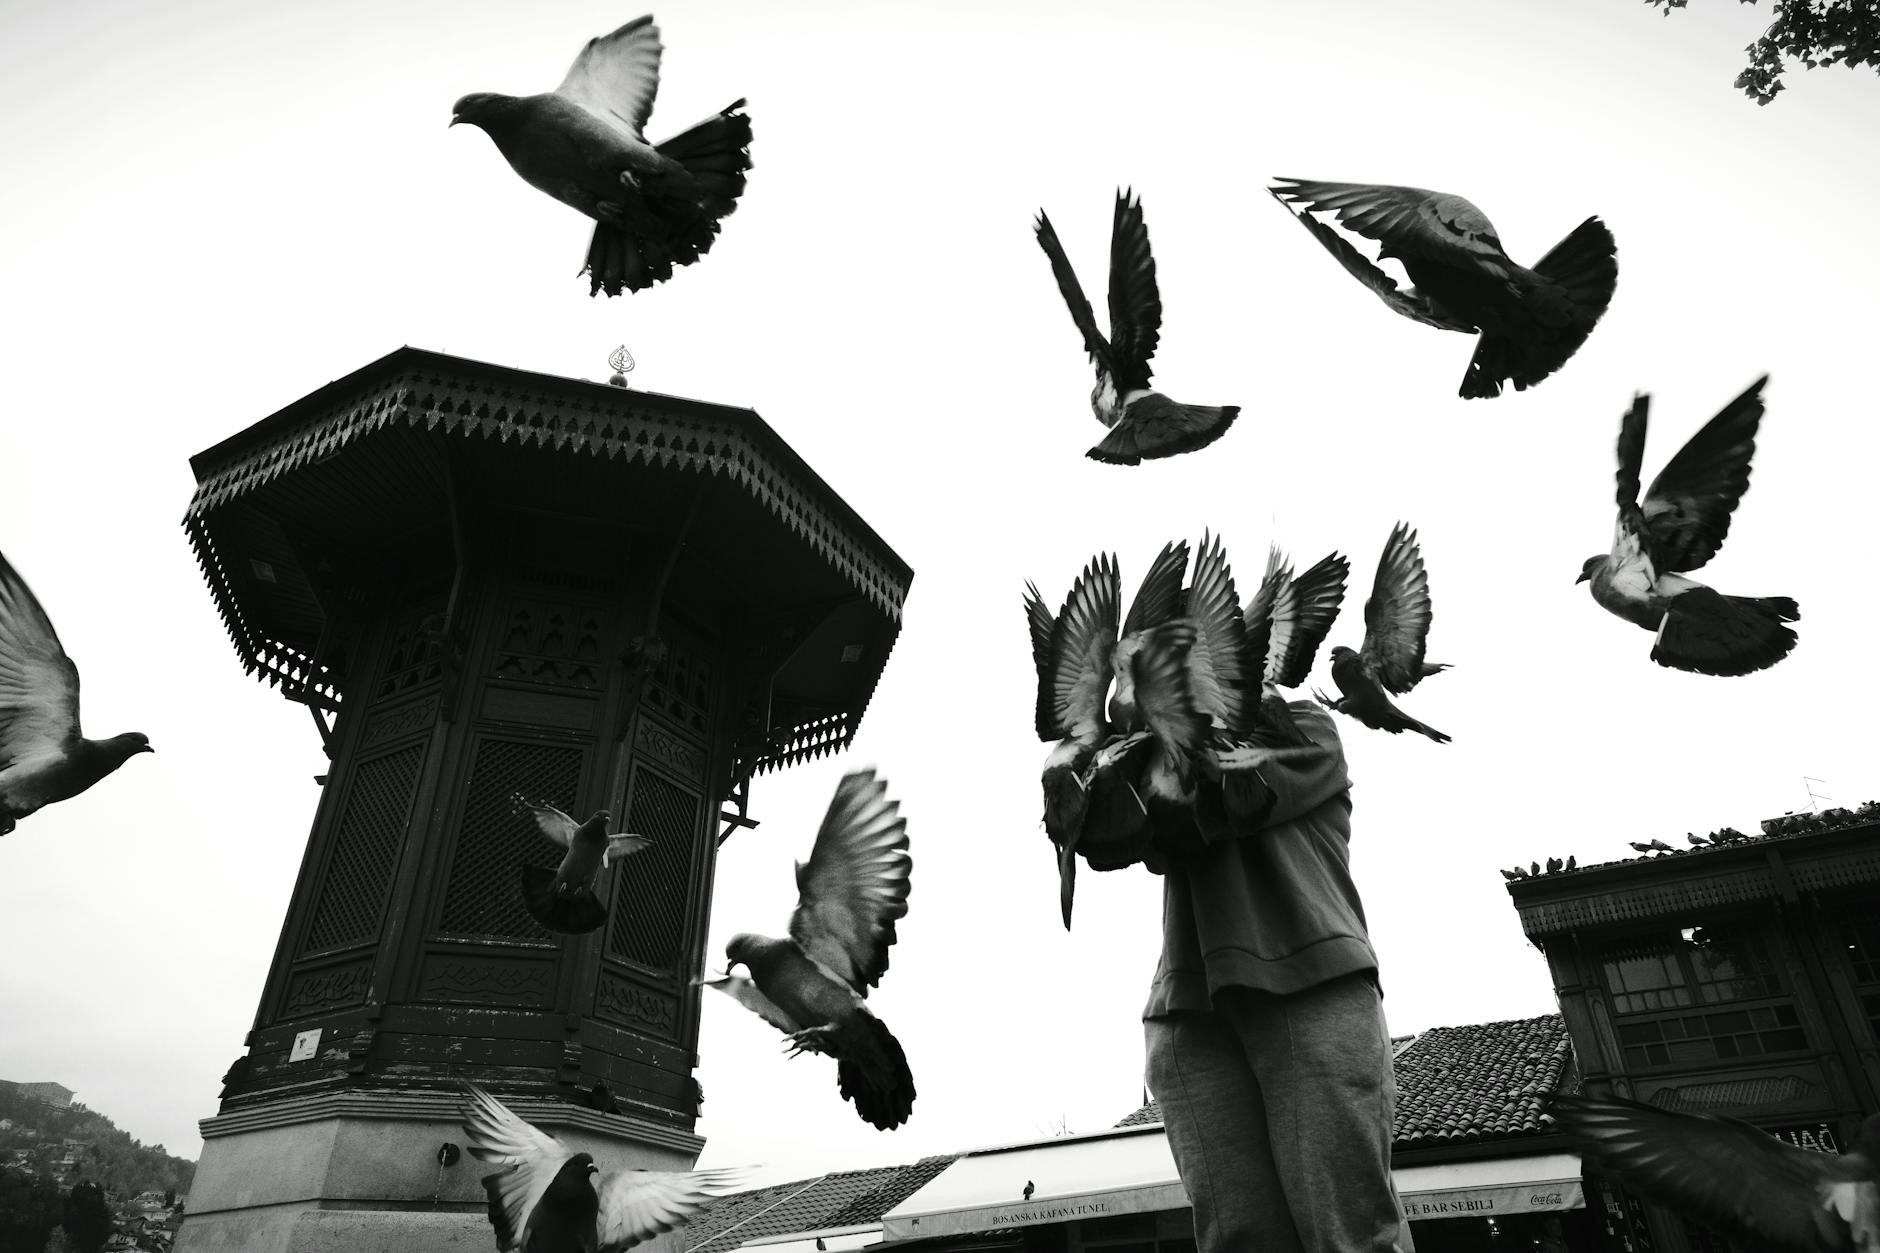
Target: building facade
1737, 976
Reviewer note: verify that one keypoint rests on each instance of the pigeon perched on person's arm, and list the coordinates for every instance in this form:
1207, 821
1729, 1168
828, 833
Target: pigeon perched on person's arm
1144, 424
563, 899
44, 756
1531, 321
1396, 624
1677, 528
655, 206
547, 1198
1734, 1176
813, 985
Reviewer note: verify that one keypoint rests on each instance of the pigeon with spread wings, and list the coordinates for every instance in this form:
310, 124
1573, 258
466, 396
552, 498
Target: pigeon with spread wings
655, 206
564, 899
1396, 624
1677, 528
1733, 1176
813, 985
1531, 321
1144, 424
547, 1198
44, 757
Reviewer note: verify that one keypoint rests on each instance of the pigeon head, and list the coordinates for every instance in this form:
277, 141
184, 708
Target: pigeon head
741, 949
1341, 651
482, 108
132, 742
1592, 567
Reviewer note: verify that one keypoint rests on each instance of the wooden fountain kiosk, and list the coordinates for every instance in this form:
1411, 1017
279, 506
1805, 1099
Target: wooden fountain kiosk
479, 581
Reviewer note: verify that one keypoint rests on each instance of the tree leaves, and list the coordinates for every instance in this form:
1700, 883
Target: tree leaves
1839, 32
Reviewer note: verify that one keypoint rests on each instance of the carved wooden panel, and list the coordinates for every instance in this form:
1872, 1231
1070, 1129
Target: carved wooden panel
326, 989
680, 687
480, 980
557, 645
621, 1000
387, 725
654, 741
484, 894
414, 658
653, 889
364, 852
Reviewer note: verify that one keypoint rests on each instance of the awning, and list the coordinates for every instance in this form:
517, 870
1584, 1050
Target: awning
1127, 1171
1131, 1171
1492, 1187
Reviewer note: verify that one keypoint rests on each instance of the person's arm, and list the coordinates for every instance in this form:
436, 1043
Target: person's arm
1286, 787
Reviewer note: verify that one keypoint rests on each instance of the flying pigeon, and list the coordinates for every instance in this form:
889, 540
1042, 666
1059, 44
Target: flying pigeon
1097, 756
1531, 321
1396, 622
1733, 1176
563, 899
812, 985
1144, 424
44, 757
1677, 528
1287, 619
656, 206
547, 1198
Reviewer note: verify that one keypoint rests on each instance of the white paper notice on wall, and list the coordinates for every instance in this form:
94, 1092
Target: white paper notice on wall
305, 1045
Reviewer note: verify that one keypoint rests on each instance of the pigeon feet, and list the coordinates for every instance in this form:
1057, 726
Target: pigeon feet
810, 1040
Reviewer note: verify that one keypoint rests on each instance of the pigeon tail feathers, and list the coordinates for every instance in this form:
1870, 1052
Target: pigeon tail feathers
1582, 271
566, 915
1153, 426
1706, 632
714, 156
873, 1073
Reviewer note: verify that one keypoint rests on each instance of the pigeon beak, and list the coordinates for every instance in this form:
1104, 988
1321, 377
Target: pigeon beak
454, 119
146, 749
1584, 576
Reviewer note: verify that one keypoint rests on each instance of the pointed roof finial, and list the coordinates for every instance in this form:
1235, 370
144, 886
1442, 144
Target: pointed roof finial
622, 361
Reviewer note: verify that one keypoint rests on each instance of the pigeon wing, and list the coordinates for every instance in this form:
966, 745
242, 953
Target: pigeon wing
550, 821
1718, 1170
532, 1158
617, 75
1397, 617
1259, 612
746, 993
1160, 671
636, 1205
624, 845
1408, 303
1218, 662
38, 682
1082, 640
1158, 600
1094, 343
1687, 510
1135, 302
1408, 221
1307, 608
855, 883
1043, 625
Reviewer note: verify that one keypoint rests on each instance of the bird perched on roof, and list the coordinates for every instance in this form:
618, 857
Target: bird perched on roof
1030, 1188
1662, 847
1695, 840
1553, 864
44, 757
563, 899
1144, 424
1531, 321
1572, 863
655, 206
813, 985
1639, 848
1678, 527
1534, 868
1396, 623
1733, 1176
1516, 873
547, 1198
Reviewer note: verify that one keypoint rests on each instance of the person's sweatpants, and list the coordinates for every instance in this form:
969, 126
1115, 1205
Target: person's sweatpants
1278, 1111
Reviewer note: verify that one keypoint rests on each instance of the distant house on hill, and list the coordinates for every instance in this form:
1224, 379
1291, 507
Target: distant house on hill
57, 1095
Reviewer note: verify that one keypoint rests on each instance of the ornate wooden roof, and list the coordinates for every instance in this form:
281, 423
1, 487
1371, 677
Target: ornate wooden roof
347, 487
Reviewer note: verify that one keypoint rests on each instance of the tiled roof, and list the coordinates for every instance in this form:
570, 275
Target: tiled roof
846, 1198
1459, 1085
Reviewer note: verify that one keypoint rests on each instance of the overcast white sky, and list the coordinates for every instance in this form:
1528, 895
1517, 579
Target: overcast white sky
214, 207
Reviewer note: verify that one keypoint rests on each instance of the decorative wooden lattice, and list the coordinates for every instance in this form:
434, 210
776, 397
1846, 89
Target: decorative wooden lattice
365, 852
653, 888
414, 659
681, 688
484, 896
553, 645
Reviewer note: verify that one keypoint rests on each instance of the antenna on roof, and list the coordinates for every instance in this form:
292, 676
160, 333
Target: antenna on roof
1813, 795
622, 361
